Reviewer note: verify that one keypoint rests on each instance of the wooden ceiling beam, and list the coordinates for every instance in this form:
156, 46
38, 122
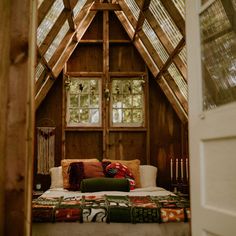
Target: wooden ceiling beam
182, 114
137, 42
128, 13
69, 5
176, 91
105, 7
176, 51
142, 17
52, 33
63, 53
175, 15
43, 10
150, 48
166, 42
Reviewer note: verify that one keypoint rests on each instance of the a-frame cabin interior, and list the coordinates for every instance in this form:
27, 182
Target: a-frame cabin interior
113, 44
110, 81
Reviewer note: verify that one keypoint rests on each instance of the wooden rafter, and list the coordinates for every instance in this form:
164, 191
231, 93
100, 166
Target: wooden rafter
105, 7
64, 51
165, 42
137, 42
173, 100
176, 51
150, 57
141, 18
69, 6
53, 33
43, 10
175, 15
170, 81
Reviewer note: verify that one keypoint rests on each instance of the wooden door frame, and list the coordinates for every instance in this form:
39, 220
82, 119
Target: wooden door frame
17, 48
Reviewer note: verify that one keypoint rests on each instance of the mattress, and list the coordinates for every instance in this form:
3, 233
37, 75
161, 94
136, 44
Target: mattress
109, 229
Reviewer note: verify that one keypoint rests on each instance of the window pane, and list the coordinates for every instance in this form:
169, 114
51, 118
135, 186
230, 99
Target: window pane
127, 116
127, 96
218, 46
83, 106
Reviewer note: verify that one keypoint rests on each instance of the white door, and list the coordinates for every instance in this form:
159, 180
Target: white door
211, 49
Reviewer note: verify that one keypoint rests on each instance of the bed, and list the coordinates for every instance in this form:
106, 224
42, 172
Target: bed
143, 211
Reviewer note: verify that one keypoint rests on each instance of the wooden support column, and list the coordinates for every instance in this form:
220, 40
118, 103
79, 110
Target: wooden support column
17, 49
106, 86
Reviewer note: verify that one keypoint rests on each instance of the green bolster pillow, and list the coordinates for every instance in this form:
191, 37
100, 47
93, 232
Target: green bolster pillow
104, 184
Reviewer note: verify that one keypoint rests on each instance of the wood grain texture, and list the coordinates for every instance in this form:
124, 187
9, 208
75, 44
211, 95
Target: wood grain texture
17, 47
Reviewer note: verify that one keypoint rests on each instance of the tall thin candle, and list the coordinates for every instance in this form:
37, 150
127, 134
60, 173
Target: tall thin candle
177, 170
186, 168
171, 169
182, 168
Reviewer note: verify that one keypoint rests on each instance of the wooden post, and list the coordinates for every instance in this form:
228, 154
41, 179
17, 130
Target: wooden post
106, 82
17, 49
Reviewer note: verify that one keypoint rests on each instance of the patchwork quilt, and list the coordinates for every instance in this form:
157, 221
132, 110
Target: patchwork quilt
107, 208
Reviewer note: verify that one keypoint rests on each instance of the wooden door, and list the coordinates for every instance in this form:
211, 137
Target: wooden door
211, 51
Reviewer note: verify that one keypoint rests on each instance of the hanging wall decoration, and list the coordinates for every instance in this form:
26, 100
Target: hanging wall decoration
46, 149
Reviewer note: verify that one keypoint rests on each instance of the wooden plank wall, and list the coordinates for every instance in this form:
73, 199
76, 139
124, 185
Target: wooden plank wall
168, 136
49, 114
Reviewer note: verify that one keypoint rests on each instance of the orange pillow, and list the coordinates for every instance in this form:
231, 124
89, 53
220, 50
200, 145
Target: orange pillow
65, 165
133, 166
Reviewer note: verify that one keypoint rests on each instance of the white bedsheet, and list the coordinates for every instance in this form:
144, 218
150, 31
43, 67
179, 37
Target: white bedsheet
111, 229
154, 191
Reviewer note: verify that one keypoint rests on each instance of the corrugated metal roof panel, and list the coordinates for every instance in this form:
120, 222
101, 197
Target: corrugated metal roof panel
49, 20
166, 22
150, 33
56, 42
133, 7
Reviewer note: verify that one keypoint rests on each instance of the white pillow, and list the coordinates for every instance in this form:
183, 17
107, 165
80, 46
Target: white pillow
148, 175
56, 177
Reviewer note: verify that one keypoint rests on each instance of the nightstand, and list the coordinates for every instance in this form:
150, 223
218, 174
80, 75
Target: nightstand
36, 194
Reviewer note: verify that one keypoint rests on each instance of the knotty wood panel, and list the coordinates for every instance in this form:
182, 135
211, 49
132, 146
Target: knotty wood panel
95, 29
125, 58
86, 58
127, 145
165, 133
83, 144
116, 29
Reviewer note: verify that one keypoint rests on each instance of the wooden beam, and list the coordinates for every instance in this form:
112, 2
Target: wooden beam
141, 18
5, 9
69, 5
43, 91
137, 43
53, 33
17, 48
105, 7
64, 52
175, 15
165, 42
105, 83
176, 91
43, 10
176, 51
173, 100
146, 41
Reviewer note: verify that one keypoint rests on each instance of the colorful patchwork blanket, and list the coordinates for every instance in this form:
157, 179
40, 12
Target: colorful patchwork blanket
106, 208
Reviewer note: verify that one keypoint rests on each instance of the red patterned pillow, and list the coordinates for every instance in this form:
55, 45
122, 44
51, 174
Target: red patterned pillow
118, 170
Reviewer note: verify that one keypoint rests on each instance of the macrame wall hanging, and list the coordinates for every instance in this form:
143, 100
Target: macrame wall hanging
46, 149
